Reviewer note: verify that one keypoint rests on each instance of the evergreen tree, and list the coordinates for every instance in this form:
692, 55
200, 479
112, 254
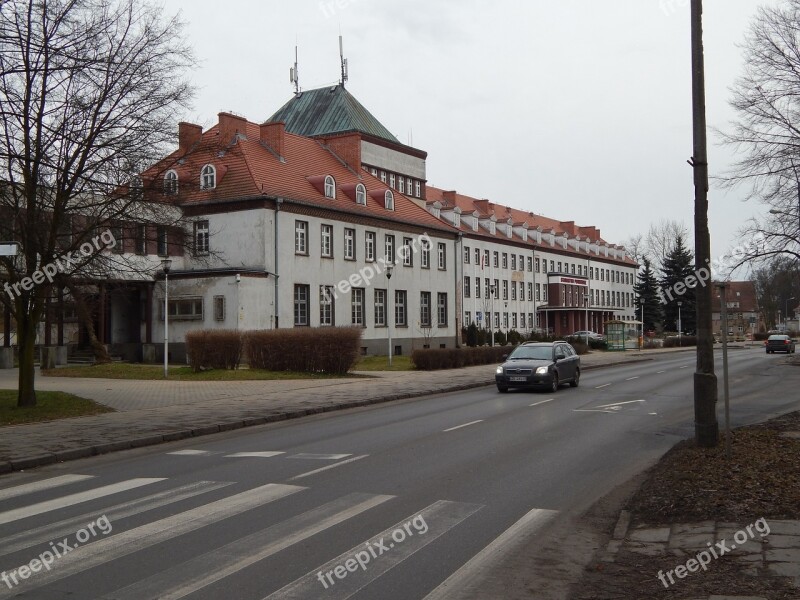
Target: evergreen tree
678, 269
647, 291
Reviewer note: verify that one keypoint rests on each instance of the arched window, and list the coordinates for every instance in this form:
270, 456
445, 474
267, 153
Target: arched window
208, 178
361, 194
171, 183
330, 187
389, 200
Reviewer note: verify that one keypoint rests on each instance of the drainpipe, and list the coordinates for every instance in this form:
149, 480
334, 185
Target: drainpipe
278, 202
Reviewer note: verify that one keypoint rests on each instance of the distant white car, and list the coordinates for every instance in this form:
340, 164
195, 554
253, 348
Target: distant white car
592, 335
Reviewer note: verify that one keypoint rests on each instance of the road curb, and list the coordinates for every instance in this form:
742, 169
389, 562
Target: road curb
42, 460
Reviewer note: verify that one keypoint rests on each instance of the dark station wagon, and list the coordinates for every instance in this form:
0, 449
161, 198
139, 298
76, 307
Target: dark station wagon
539, 365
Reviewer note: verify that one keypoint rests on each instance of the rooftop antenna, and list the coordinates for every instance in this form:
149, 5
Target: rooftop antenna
344, 61
294, 74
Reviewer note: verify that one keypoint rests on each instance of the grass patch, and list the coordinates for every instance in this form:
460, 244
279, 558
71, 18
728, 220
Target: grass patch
182, 373
50, 406
381, 363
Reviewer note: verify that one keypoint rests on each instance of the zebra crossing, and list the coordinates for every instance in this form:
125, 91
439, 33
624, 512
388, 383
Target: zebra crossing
137, 531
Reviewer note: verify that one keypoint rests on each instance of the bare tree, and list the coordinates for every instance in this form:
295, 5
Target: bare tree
766, 99
91, 91
661, 238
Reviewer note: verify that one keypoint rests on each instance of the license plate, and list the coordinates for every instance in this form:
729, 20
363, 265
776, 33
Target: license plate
518, 379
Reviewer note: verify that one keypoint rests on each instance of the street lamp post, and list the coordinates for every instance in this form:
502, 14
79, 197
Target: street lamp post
167, 265
586, 306
641, 337
491, 314
680, 329
389, 269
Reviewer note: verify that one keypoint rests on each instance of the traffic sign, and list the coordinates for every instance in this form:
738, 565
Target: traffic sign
9, 248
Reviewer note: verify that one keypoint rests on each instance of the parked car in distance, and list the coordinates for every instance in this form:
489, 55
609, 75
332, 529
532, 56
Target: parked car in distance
539, 365
581, 335
779, 343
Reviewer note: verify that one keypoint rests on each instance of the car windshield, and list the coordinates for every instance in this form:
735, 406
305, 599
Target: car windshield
532, 353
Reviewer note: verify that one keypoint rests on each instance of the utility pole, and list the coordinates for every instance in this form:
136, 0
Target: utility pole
706, 427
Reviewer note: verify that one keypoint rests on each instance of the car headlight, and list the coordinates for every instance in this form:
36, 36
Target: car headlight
499, 370
541, 370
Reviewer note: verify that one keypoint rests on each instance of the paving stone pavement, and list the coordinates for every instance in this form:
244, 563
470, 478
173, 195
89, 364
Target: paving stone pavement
152, 412
770, 547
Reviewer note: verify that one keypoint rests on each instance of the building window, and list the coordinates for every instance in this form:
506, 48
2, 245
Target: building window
388, 200
552, 267
442, 256
357, 307
373, 171
497, 320
330, 187
425, 309
208, 178
408, 254
572, 269
183, 309
467, 254
400, 308
119, 240
544, 293
201, 235
485, 259
408, 185
219, 308
171, 183
301, 305
530, 292
388, 246
477, 287
513, 262
326, 241
383, 176
505, 320
392, 181
425, 259
140, 239
530, 264
349, 244
513, 320
369, 246
538, 266
401, 185
467, 318
418, 190
467, 287
478, 257
496, 289
161, 236
505, 290
559, 267
380, 308
326, 306
505, 260
300, 237
538, 292
361, 194
441, 309
513, 290
496, 260
487, 288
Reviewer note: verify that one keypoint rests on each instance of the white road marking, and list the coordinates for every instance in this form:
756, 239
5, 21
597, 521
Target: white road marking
212, 566
619, 404
320, 456
632, 378
542, 402
464, 425
125, 543
65, 527
659, 372
440, 517
253, 454
38, 486
333, 466
684, 367
602, 386
49, 505
608, 412
190, 453
510, 541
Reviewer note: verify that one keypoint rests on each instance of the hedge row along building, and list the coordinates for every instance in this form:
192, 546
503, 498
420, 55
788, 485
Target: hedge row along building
296, 221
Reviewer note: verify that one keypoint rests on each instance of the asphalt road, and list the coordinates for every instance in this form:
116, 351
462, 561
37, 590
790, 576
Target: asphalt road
402, 501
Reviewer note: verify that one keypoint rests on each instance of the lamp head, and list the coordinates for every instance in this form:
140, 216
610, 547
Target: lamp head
166, 265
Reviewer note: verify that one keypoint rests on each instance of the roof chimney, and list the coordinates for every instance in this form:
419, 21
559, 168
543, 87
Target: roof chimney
188, 135
449, 196
230, 125
274, 136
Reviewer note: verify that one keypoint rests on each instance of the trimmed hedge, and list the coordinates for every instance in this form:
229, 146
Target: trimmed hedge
454, 358
320, 350
675, 342
214, 349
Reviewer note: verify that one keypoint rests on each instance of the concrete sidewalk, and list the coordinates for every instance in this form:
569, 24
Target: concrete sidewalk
152, 412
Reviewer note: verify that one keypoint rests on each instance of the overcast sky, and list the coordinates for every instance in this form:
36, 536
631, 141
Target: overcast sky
574, 109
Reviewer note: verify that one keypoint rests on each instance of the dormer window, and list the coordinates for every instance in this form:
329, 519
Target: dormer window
330, 187
361, 194
171, 183
389, 200
208, 178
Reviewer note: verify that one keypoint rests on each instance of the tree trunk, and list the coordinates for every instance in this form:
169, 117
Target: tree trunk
26, 332
101, 356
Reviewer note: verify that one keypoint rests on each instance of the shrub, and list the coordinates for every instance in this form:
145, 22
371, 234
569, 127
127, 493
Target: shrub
454, 358
675, 342
515, 337
580, 347
321, 350
214, 349
760, 336
596, 344
500, 338
472, 335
